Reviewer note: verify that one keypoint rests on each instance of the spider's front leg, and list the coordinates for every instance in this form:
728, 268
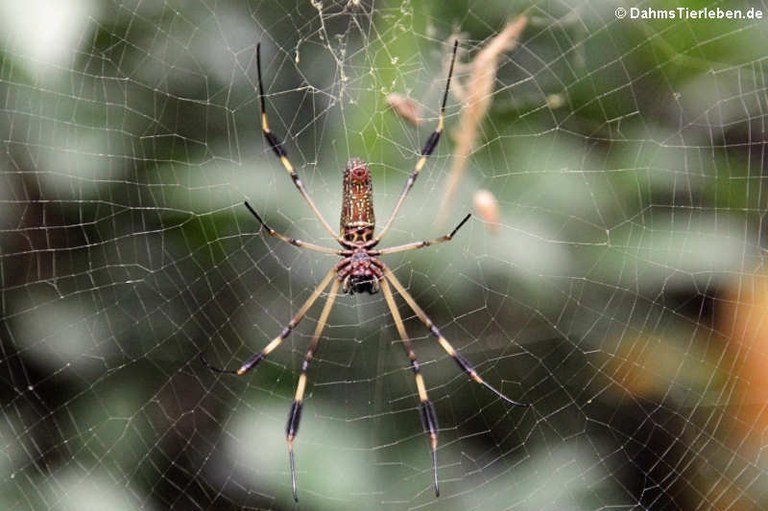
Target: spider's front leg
426, 151
293, 241
282, 154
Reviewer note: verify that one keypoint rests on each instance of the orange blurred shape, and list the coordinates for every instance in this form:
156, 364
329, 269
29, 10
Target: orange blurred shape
644, 365
726, 495
746, 328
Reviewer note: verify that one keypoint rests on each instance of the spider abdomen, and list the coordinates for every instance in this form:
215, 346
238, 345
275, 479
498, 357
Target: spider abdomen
357, 218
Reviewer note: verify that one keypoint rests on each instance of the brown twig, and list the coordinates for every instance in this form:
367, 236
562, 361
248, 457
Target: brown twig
477, 101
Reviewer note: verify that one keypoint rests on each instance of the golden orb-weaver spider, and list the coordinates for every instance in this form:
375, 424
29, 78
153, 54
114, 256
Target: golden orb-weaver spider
360, 270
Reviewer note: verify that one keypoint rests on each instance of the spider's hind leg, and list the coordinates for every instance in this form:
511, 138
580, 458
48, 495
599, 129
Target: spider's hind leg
462, 362
294, 416
428, 418
255, 359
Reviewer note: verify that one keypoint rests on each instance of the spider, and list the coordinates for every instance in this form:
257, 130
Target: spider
359, 271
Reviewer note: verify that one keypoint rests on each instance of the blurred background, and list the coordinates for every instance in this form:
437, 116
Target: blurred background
613, 277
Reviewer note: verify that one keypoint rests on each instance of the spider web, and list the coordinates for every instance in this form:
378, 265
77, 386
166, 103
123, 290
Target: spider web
622, 294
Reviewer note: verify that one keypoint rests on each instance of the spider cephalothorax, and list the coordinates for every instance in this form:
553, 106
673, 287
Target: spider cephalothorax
359, 271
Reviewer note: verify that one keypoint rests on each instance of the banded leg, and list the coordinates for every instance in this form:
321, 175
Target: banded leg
421, 244
462, 362
429, 147
279, 150
294, 416
269, 348
428, 418
294, 241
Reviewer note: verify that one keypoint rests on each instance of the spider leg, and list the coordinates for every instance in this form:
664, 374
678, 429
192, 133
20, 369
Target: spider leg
462, 362
294, 416
421, 244
428, 418
429, 147
281, 153
294, 241
269, 348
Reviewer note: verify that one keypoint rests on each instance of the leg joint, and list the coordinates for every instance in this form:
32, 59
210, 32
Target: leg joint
294, 416
463, 363
428, 418
432, 141
274, 144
